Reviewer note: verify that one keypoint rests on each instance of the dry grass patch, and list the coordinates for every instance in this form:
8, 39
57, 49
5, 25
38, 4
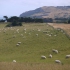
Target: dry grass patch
32, 66
65, 27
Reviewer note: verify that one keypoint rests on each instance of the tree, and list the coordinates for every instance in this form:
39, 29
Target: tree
6, 18
13, 18
14, 23
68, 21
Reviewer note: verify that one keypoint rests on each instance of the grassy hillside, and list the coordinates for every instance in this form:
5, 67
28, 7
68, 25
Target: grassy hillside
32, 46
48, 12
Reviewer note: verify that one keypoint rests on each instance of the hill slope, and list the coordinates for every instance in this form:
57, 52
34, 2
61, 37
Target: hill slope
48, 12
32, 45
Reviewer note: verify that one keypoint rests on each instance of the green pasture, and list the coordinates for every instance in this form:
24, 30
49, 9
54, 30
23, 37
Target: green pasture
32, 46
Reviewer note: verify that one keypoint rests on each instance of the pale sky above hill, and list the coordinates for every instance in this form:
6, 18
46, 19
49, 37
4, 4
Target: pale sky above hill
16, 7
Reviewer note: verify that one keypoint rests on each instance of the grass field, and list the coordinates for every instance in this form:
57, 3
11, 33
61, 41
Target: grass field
28, 53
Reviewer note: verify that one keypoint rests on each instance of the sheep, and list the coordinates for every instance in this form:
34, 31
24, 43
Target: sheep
57, 61
17, 29
24, 37
24, 29
14, 61
50, 56
19, 42
67, 56
55, 35
21, 34
36, 34
33, 29
49, 35
61, 30
39, 30
44, 31
43, 57
29, 33
58, 29
56, 51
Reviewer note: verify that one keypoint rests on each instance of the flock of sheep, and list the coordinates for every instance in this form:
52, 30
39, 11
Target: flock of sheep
50, 56
47, 33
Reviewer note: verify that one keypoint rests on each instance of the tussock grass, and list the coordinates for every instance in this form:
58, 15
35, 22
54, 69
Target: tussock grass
32, 66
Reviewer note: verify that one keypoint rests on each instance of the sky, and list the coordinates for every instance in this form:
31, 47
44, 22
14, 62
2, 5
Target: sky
17, 7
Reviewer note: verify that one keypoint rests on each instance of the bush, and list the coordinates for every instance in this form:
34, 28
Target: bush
14, 23
19, 24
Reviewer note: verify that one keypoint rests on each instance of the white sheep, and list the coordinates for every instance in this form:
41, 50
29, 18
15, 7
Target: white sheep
29, 33
56, 51
25, 32
67, 56
44, 31
24, 37
50, 56
14, 61
21, 34
50, 35
17, 30
57, 61
47, 34
33, 29
36, 34
24, 29
55, 35
19, 42
39, 30
43, 57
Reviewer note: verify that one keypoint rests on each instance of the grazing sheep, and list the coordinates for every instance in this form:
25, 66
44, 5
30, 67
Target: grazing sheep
39, 30
24, 29
14, 61
29, 33
33, 29
61, 30
17, 30
43, 57
57, 61
44, 31
67, 56
55, 35
49, 35
58, 29
24, 37
56, 51
21, 34
17, 44
50, 56
36, 34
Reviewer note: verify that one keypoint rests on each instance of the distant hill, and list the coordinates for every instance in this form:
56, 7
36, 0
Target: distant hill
48, 12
